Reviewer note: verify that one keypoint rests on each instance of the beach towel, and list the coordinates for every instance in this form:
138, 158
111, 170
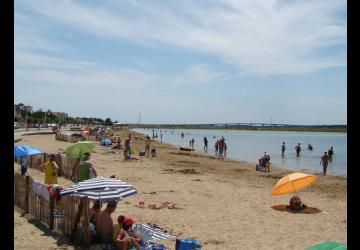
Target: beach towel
41, 190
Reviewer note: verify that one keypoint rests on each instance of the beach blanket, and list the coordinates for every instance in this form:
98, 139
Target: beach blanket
41, 190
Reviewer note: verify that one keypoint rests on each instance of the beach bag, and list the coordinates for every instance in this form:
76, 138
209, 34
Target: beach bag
187, 244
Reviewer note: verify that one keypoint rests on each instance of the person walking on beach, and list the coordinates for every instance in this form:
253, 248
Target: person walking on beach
192, 142
325, 161
330, 153
298, 149
283, 149
147, 146
127, 150
160, 136
50, 168
205, 144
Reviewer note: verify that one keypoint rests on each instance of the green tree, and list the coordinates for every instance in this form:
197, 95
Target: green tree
108, 122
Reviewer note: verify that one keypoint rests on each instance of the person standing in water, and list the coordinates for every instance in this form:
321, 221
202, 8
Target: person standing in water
298, 149
205, 144
331, 153
325, 161
283, 149
216, 147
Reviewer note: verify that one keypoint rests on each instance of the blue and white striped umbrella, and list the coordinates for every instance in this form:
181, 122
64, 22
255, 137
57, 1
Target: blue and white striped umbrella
149, 233
100, 188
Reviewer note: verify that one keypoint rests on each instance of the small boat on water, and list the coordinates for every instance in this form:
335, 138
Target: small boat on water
186, 148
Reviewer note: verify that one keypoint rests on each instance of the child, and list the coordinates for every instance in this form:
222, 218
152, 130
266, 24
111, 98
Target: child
126, 238
118, 227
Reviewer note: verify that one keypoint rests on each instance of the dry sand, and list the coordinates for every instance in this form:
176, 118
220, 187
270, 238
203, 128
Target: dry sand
223, 204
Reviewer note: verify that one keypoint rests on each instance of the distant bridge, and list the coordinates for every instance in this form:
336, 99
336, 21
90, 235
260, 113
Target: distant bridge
233, 125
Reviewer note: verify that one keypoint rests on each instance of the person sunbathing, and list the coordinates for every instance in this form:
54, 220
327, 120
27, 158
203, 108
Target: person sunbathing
126, 238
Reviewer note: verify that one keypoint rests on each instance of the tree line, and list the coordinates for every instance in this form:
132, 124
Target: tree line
40, 116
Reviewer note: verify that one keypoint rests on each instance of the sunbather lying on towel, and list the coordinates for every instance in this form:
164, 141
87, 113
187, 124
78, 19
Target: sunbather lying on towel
126, 238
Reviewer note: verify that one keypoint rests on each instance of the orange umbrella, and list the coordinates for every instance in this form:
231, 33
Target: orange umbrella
292, 183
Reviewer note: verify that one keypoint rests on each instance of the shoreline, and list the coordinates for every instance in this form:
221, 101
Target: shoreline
273, 166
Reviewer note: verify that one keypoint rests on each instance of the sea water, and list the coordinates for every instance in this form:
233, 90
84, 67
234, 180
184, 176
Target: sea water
250, 145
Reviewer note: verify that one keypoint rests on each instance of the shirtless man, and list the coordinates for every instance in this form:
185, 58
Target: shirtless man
147, 146
104, 223
325, 161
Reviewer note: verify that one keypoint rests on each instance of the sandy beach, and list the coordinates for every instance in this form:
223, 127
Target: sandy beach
224, 204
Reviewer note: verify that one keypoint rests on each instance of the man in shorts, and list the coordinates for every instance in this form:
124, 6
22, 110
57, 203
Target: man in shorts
325, 161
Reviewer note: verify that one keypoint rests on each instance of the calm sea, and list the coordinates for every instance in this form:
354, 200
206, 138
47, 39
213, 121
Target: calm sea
248, 146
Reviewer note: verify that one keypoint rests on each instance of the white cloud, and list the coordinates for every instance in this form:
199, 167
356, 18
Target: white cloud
198, 74
259, 37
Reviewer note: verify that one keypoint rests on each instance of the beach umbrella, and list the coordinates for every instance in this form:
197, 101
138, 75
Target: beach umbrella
292, 183
328, 245
101, 188
25, 150
76, 150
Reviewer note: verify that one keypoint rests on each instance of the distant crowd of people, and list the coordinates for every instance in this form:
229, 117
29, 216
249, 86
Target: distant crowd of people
325, 158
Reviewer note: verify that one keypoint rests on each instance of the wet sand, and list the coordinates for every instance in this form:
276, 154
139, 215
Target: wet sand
224, 204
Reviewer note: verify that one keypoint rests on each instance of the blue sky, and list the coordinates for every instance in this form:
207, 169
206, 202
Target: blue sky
184, 61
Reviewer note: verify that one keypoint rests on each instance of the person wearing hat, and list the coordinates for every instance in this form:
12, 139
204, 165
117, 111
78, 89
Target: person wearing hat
86, 168
126, 238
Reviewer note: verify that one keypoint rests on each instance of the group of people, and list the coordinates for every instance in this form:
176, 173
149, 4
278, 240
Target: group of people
325, 158
220, 148
264, 163
103, 229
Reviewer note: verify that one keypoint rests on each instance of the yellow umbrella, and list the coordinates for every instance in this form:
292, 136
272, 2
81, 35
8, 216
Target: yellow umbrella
292, 183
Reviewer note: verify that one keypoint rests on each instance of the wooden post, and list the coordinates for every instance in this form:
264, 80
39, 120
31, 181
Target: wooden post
27, 182
77, 219
31, 161
86, 222
51, 210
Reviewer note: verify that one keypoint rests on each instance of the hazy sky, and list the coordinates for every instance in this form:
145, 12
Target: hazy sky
176, 61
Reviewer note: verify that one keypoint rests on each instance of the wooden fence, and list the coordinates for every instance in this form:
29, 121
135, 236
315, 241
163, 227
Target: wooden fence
68, 216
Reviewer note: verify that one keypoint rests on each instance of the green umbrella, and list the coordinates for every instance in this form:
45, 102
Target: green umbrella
76, 150
328, 245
